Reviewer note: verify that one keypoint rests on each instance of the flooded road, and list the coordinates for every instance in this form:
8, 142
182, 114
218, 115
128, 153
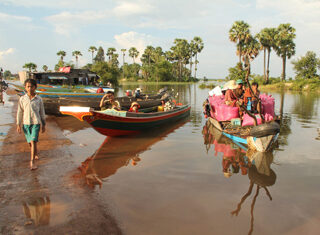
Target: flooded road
188, 179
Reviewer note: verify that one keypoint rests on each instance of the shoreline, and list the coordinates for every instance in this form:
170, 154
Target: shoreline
54, 195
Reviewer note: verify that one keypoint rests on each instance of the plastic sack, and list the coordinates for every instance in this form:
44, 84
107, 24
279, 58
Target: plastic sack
221, 111
267, 104
215, 91
224, 112
249, 121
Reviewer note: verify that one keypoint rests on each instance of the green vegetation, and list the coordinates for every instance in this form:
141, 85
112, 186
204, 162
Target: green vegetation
280, 39
30, 66
204, 86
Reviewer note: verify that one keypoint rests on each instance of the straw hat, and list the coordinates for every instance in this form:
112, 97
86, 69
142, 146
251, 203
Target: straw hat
135, 104
230, 85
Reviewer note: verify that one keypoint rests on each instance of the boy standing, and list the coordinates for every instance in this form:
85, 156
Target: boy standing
30, 115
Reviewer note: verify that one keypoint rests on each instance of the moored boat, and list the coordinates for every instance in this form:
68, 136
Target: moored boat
148, 103
117, 123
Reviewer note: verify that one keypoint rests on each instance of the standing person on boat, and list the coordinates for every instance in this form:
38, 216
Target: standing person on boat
230, 95
248, 96
30, 116
108, 102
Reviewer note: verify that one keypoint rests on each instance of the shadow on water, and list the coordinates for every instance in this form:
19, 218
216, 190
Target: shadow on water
256, 165
117, 152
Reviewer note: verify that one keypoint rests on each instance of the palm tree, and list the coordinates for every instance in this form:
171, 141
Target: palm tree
76, 54
92, 49
239, 33
267, 40
197, 48
110, 52
134, 53
284, 46
31, 66
62, 54
123, 54
148, 53
45, 68
180, 52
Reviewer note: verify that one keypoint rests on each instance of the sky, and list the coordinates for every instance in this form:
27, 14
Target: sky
35, 30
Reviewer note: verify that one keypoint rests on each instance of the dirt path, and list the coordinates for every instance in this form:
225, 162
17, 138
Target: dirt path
51, 200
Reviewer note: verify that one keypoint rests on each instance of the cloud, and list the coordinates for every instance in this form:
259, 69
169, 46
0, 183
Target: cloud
9, 18
133, 39
6, 52
60, 4
303, 11
126, 9
66, 23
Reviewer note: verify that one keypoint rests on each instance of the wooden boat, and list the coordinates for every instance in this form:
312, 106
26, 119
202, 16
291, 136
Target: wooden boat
115, 153
116, 123
257, 137
149, 103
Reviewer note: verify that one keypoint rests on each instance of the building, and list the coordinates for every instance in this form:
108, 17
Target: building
65, 76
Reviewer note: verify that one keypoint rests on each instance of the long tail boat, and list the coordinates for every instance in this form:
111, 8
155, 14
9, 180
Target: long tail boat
118, 123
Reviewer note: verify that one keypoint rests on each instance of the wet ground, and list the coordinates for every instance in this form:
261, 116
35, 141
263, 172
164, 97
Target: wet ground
182, 179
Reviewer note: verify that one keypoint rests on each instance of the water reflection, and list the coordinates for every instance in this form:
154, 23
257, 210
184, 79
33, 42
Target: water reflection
37, 210
236, 158
117, 152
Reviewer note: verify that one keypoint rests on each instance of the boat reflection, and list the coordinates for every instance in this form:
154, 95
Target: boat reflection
37, 210
237, 158
116, 152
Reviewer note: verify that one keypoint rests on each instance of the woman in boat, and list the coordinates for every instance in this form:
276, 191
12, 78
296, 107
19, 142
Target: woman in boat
234, 92
249, 96
108, 102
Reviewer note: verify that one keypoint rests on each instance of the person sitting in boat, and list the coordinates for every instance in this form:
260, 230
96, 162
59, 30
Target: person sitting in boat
138, 93
230, 95
252, 97
108, 102
100, 90
134, 107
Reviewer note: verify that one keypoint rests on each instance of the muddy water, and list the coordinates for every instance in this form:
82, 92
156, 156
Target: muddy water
188, 179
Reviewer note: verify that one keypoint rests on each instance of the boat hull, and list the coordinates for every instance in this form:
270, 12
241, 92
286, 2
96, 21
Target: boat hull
261, 144
134, 123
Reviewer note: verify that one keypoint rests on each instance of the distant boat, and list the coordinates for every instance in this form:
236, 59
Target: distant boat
118, 123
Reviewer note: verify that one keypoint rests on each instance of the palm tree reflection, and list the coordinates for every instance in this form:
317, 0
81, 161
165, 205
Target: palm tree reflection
254, 164
116, 152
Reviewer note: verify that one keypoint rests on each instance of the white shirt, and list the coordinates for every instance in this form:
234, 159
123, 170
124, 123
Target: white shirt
30, 111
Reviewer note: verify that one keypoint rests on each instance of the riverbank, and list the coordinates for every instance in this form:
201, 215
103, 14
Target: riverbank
53, 199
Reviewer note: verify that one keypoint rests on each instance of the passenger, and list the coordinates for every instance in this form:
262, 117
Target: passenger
134, 107
230, 96
252, 97
100, 90
108, 102
239, 90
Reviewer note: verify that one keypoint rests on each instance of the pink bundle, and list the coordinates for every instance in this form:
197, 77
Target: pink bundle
267, 104
221, 111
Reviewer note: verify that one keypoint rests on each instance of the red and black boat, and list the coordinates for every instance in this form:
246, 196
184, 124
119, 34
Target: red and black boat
119, 123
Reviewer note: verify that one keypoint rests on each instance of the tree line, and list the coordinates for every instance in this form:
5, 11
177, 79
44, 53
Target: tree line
248, 46
180, 63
